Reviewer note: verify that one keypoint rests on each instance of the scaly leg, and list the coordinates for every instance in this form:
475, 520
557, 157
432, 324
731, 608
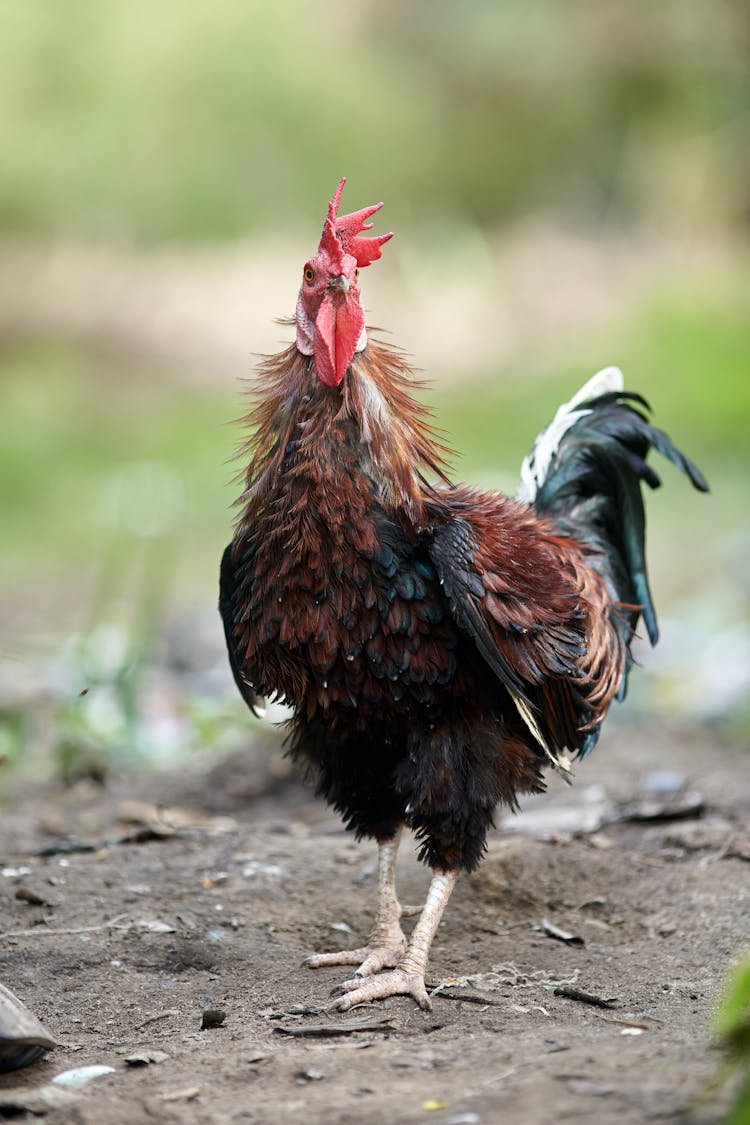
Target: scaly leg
386, 942
407, 979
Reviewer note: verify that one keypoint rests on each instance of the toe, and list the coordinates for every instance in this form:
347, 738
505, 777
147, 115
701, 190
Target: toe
396, 983
345, 957
383, 957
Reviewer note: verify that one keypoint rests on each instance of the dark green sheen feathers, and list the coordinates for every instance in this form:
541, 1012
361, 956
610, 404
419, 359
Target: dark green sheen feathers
592, 489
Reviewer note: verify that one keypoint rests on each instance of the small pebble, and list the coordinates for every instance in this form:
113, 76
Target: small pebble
212, 1017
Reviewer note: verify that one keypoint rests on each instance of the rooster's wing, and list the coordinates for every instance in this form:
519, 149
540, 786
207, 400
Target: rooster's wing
538, 616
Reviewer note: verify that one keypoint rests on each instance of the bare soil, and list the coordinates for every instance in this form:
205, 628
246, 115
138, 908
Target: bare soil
133, 940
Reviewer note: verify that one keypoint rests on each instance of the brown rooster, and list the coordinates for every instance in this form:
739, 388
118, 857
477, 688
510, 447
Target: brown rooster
440, 645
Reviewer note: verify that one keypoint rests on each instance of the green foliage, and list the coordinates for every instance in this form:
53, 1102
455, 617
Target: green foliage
103, 716
732, 1020
732, 1027
14, 726
191, 120
104, 470
688, 349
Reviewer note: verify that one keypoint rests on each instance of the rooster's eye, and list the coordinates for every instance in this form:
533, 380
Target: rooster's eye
309, 275
356, 272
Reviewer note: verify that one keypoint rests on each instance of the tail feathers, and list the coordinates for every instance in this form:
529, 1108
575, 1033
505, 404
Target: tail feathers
586, 472
536, 466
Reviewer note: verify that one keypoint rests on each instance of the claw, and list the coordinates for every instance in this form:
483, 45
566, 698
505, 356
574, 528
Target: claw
398, 982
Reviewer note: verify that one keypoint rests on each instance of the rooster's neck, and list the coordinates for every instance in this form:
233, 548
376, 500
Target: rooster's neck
366, 443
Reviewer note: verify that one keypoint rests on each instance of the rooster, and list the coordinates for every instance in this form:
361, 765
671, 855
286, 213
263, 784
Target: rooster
440, 645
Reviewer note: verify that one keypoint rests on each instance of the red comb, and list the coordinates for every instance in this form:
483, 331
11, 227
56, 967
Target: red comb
346, 228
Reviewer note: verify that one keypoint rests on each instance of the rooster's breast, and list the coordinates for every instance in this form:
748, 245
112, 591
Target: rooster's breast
341, 624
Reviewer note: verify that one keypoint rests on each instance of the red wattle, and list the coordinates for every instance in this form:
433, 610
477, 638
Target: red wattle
338, 327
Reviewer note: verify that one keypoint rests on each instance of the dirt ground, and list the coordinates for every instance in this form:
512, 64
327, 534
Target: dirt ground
119, 949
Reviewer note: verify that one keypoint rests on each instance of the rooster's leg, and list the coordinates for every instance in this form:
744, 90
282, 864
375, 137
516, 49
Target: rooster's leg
386, 942
407, 979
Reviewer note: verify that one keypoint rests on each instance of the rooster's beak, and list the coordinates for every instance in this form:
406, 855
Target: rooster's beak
342, 283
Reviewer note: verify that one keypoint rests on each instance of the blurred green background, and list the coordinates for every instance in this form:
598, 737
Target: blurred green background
570, 187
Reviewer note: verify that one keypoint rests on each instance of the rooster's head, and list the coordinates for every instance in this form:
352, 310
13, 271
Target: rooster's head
330, 317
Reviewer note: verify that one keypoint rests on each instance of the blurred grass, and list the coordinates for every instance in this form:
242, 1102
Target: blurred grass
193, 121
732, 1030
687, 352
99, 463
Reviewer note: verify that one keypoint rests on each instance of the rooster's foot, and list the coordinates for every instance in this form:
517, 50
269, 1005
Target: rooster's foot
398, 982
370, 958
407, 979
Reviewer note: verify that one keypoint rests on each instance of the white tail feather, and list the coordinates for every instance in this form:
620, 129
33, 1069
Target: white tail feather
536, 466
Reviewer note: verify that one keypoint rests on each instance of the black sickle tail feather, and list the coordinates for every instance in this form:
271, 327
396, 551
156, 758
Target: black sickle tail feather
592, 489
